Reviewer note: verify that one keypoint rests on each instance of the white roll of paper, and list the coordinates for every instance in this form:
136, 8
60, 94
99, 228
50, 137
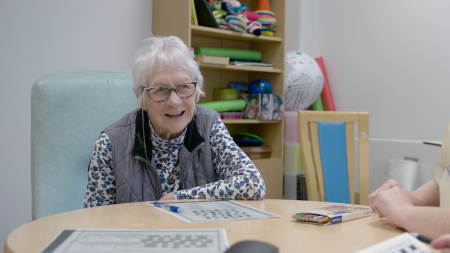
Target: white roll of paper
405, 172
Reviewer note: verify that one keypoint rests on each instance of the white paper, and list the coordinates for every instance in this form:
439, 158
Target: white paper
219, 210
137, 241
400, 243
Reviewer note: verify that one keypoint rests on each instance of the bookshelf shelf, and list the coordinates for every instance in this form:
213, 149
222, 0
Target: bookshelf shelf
237, 68
203, 31
250, 121
168, 20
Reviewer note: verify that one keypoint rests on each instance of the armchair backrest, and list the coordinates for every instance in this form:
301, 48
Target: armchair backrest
68, 112
327, 149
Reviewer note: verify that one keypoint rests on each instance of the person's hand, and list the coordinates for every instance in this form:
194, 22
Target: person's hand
442, 242
168, 196
392, 203
373, 196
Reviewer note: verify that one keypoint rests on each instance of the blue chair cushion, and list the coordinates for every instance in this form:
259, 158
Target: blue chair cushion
333, 154
69, 110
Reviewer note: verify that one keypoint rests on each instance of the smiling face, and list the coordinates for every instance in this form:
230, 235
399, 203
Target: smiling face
169, 118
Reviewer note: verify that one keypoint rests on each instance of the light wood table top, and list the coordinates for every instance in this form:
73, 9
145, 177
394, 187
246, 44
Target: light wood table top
287, 235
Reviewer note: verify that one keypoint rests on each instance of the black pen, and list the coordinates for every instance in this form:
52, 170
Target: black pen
422, 238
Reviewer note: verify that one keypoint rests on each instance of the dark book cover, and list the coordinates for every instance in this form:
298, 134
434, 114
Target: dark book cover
204, 14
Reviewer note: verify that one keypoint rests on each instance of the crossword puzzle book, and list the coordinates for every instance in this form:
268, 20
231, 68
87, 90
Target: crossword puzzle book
139, 240
332, 214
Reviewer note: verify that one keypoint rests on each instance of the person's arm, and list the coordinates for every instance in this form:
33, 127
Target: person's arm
395, 204
426, 195
429, 221
101, 187
415, 211
238, 176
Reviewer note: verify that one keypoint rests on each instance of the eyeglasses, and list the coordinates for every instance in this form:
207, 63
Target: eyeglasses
161, 94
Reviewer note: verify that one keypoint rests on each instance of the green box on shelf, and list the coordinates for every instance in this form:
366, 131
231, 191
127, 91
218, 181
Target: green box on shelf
224, 94
263, 106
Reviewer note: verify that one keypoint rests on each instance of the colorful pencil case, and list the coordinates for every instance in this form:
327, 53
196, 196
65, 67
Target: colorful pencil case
332, 214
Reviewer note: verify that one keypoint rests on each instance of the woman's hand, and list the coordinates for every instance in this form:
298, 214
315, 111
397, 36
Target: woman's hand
168, 196
414, 199
393, 203
442, 242
373, 196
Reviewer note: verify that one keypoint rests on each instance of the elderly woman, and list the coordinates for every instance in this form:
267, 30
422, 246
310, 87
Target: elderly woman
169, 148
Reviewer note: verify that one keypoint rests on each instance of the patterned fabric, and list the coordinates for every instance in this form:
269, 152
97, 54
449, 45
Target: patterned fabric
101, 187
165, 155
238, 178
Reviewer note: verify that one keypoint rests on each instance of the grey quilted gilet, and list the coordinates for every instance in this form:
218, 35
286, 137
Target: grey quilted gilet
136, 177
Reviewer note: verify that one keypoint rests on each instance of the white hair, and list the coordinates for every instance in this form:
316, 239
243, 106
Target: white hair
163, 51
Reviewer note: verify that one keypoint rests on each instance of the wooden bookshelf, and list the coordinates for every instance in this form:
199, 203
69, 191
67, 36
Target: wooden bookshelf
209, 32
250, 121
237, 68
168, 20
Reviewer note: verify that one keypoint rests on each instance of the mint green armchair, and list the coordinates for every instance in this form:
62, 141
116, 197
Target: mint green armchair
68, 112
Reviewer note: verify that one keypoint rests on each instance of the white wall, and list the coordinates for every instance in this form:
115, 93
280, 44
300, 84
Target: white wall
40, 37
390, 58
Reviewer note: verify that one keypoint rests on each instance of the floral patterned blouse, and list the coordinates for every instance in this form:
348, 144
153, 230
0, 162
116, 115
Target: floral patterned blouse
238, 178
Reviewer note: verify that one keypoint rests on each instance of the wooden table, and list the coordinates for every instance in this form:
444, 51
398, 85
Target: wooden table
287, 235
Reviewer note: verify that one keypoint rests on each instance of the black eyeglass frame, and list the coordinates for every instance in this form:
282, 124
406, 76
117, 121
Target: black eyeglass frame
170, 90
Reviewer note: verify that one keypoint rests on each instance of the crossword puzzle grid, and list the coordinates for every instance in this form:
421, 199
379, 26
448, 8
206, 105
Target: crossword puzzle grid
403, 243
157, 241
221, 214
403, 247
215, 211
178, 241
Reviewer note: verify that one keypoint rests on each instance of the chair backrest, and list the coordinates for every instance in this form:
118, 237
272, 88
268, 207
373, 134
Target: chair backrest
327, 148
68, 112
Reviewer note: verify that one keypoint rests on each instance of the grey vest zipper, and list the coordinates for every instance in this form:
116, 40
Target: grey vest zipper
158, 187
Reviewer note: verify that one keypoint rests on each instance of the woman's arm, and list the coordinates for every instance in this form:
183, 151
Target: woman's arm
426, 195
101, 187
395, 204
426, 220
238, 176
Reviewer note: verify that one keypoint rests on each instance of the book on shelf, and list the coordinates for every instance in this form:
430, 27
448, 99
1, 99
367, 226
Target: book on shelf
202, 58
194, 13
204, 14
251, 63
332, 214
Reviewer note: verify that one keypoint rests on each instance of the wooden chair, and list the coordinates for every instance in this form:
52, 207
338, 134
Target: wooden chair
327, 149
